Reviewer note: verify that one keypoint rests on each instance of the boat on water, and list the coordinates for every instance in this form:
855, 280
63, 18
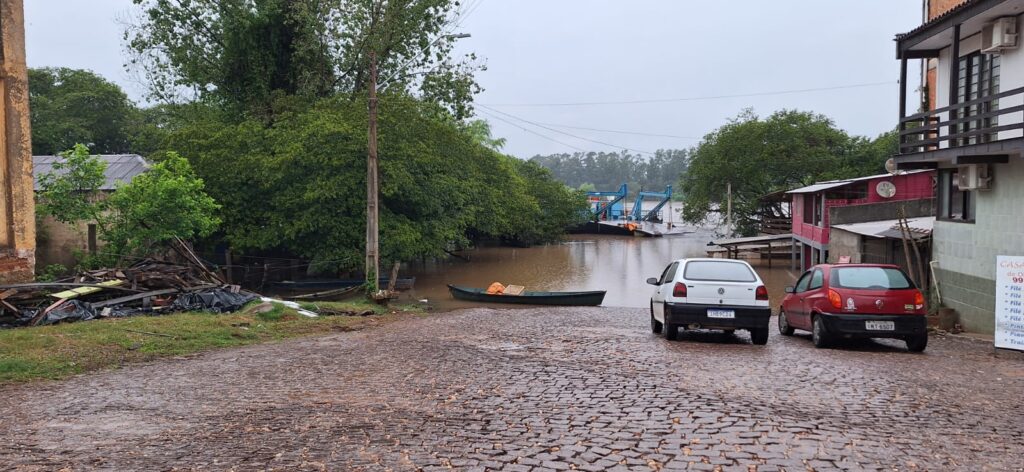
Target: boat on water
316, 285
473, 294
333, 294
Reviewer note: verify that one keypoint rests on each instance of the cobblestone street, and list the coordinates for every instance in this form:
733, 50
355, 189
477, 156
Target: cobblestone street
534, 389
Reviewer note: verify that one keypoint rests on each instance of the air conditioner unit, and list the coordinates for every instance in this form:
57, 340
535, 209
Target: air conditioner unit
999, 35
973, 177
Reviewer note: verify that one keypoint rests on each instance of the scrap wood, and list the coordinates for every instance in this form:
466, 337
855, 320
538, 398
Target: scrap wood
131, 298
75, 292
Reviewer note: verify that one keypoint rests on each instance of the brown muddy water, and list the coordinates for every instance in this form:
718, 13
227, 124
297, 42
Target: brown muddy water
618, 264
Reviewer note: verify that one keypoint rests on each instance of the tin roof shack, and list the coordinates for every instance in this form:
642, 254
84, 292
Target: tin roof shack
972, 130
872, 198
58, 243
885, 242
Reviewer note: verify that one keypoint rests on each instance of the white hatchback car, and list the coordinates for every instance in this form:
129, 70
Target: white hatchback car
724, 294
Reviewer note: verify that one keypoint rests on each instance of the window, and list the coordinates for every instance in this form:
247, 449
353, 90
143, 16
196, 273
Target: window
669, 273
817, 280
978, 78
870, 278
719, 271
813, 209
955, 204
801, 286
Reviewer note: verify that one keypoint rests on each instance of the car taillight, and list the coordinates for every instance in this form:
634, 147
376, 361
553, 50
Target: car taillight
918, 300
835, 299
679, 291
761, 293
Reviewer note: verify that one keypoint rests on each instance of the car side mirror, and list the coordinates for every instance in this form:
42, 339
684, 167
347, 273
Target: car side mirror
653, 281
790, 290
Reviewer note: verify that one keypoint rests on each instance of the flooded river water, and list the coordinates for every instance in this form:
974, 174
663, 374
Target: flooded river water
618, 264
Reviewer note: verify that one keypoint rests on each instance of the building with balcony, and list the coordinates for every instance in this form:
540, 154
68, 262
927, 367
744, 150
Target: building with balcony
816, 208
970, 129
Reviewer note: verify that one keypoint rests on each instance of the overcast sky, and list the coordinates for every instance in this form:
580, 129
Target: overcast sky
542, 52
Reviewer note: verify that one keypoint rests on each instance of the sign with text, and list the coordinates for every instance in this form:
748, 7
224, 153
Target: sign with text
1010, 302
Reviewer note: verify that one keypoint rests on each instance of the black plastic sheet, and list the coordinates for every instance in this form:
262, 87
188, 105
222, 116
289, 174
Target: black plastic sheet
216, 300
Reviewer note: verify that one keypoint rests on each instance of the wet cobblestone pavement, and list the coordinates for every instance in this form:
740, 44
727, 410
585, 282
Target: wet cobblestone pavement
536, 389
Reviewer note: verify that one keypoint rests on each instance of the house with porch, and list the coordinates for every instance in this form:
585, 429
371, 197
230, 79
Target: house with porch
970, 129
815, 208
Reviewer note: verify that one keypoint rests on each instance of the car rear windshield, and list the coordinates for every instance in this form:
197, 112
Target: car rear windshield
718, 271
870, 278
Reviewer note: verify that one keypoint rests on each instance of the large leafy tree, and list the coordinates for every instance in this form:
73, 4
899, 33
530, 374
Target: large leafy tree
757, 157
243, 54
72, 106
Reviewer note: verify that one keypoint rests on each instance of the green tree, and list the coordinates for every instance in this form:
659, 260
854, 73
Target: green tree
71, 192
166, 202
244, 54
72, 106
759, 156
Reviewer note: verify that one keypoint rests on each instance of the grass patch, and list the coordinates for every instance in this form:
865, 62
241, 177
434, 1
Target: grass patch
58, 351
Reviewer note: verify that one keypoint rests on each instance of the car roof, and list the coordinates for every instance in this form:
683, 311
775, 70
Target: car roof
839, 266
710, 259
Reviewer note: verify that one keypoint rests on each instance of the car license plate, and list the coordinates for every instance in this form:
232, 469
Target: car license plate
712, 313
880, 325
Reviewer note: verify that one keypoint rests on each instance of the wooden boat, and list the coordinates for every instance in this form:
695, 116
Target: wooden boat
593, 298
335, 294
403, 283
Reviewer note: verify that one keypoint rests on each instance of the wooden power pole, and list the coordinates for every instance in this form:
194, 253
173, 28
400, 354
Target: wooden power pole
372, 213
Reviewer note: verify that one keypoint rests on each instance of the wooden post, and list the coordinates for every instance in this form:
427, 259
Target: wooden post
903, 91
228, 266
954, 78
394, 277
372, 230
728, 208
92, 239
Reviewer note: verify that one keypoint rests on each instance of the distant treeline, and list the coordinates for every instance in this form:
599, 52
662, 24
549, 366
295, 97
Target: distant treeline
606, 171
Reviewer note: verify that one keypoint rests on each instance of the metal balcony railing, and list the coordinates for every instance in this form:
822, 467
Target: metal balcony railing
971, 122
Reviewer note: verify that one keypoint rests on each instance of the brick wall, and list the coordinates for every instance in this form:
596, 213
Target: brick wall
938, 7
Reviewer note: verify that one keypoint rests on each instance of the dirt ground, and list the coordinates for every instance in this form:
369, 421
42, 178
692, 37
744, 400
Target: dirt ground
531, 389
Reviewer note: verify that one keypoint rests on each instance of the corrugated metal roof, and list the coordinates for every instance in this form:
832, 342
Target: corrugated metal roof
919, 228
952, 11
120, 168
819, 186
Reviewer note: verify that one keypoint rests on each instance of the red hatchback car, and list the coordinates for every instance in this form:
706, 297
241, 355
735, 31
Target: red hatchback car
855, 301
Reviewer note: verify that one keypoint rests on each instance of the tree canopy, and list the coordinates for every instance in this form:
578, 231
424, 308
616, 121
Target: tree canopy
243, 54
71, 106
759, 156
609, 170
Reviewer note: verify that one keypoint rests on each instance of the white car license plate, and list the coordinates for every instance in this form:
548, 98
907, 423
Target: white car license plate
880, 325
712, 313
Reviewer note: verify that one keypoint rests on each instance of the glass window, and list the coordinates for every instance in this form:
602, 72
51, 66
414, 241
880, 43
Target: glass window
955, 204
870, 278
665, 277
978, 78
719, 271
801, 286
817, 280
672, 272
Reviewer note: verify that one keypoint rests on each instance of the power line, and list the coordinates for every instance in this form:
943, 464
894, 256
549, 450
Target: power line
496, 117
690, 99
620, 132
534, 123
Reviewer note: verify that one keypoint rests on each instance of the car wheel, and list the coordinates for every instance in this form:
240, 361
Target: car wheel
784, 328
818, 334
759, 336
656, 325
671, 331
917, 343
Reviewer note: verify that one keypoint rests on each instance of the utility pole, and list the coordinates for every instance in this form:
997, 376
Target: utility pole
728, 208
372, 214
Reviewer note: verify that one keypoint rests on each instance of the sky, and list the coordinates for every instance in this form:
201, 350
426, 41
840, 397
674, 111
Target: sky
692, 63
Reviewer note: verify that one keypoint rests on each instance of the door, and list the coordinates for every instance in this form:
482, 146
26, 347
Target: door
794, 305
812, 296
662, 290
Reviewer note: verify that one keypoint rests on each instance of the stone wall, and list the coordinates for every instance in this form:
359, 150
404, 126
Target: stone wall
966, 252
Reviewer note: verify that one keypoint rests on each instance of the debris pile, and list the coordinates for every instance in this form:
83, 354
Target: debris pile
147, 287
